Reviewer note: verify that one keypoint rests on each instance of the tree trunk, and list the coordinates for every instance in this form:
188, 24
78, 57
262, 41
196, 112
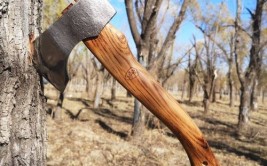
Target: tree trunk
183, 89
206, 99
231, 97
221, 93
113, 89
191, 87
253, 70
230, 80
206, 104
244, 107
58, 109
214, 99
99, 89
22, 116
254, 96
138, 120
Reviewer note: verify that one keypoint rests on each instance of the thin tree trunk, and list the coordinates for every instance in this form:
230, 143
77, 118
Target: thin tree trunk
138, 125
183, 89
58, 110
113, 89
231, 93
139, 115
214, 99
99, 90
22, 116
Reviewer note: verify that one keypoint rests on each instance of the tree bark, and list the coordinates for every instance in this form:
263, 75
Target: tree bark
138, 125
254, 96
22, 115
230, 78
231, 97
206, 100
244, 107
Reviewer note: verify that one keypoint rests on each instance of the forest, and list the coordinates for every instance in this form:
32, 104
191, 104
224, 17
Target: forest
175, 76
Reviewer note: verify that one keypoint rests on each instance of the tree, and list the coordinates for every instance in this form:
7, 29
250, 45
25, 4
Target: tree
146, 26
251, 73
206, 72
209, 22
22, 115
192, 76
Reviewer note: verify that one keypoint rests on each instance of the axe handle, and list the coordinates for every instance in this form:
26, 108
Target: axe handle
111, 49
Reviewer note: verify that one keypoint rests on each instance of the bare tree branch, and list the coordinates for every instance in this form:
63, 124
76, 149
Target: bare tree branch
132, 22
138, 10
172, 31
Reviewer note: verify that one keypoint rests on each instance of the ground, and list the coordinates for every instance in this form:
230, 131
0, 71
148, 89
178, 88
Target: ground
87, 136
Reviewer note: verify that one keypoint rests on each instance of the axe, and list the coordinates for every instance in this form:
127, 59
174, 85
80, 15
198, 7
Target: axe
87, 21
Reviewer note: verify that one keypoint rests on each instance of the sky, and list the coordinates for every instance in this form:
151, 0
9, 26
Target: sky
186, 30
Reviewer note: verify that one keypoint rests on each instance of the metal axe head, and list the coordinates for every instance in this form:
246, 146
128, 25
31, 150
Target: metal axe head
84, 19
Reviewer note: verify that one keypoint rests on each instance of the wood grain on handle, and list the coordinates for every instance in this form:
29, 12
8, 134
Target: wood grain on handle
111, 49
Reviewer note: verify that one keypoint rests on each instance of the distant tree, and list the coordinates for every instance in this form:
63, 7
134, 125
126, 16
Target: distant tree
206, 72
192, 77
209, 23
113, 89
250, 74
22, 114
147, 23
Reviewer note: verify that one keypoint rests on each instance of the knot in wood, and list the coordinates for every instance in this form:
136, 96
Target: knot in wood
131, 74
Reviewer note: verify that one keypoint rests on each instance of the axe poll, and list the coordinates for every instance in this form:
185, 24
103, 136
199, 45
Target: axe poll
87, 21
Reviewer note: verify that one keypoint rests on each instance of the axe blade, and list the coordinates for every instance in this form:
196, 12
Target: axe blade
84, 20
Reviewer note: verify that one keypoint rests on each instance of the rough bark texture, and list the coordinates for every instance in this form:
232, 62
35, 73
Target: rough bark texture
22, 117
244, 107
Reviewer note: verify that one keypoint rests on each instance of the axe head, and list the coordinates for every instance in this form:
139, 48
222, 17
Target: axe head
85, 19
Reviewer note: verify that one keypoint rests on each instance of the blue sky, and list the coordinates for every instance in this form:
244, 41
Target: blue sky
187, 29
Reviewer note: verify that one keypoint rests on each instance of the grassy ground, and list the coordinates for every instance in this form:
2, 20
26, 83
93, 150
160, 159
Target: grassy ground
87, 136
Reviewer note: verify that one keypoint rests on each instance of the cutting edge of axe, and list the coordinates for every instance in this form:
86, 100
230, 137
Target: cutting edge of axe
111, 48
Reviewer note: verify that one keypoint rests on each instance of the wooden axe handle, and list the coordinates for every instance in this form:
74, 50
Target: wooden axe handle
112, 50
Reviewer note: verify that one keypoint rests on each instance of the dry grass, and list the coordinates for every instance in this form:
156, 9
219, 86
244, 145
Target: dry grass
87, 136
